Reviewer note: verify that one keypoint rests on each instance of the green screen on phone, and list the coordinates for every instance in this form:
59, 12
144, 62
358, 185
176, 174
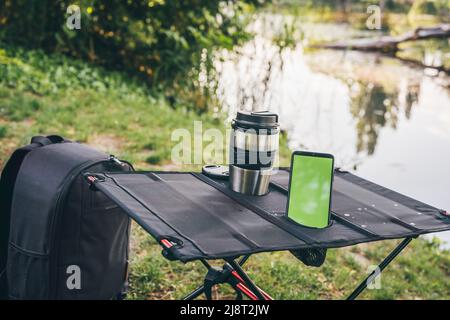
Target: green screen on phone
310, 190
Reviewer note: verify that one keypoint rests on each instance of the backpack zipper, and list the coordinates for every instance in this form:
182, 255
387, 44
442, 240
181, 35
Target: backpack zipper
113, 158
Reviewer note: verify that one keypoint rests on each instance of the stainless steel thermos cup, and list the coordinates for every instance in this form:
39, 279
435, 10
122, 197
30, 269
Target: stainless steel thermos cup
253, 149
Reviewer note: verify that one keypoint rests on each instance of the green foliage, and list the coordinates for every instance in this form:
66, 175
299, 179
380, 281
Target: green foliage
163, 41
19, 108
3, 131
45, 94
431, 7
154, 159
39, 73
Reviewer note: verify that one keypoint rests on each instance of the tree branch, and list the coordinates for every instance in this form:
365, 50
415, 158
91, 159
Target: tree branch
389, 43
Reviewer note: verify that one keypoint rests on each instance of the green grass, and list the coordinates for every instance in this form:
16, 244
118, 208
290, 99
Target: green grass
420, 272
42, 94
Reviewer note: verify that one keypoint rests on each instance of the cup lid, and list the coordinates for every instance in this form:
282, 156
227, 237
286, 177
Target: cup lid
256, 119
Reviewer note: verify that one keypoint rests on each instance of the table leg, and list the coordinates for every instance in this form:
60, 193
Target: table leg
363, 285
200, 290
247, 281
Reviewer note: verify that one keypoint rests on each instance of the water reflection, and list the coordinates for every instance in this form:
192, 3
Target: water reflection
375, 114
372, 107
327, 100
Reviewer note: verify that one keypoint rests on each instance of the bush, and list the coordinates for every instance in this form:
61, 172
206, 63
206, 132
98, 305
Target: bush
42, 74
163, 41
431, 7
3, 131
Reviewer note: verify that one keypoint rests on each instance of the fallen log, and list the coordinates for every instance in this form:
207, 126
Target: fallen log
389, 44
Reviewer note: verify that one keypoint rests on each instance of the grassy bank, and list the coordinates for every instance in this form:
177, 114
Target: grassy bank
42, 94
52, 94
420, 272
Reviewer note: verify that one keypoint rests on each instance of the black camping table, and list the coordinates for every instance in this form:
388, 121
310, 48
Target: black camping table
195, 217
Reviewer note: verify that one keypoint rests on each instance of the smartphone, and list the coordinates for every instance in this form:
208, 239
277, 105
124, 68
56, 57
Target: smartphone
310, 187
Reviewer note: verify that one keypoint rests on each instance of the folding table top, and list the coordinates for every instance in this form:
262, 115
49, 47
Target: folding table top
208, 220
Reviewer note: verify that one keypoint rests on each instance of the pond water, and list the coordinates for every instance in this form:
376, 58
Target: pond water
386, 121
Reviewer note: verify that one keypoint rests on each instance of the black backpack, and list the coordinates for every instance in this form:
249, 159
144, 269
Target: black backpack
60, 239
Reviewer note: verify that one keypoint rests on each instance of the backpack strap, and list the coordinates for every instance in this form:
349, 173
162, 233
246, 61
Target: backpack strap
43, 141
7, 183
40, 140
